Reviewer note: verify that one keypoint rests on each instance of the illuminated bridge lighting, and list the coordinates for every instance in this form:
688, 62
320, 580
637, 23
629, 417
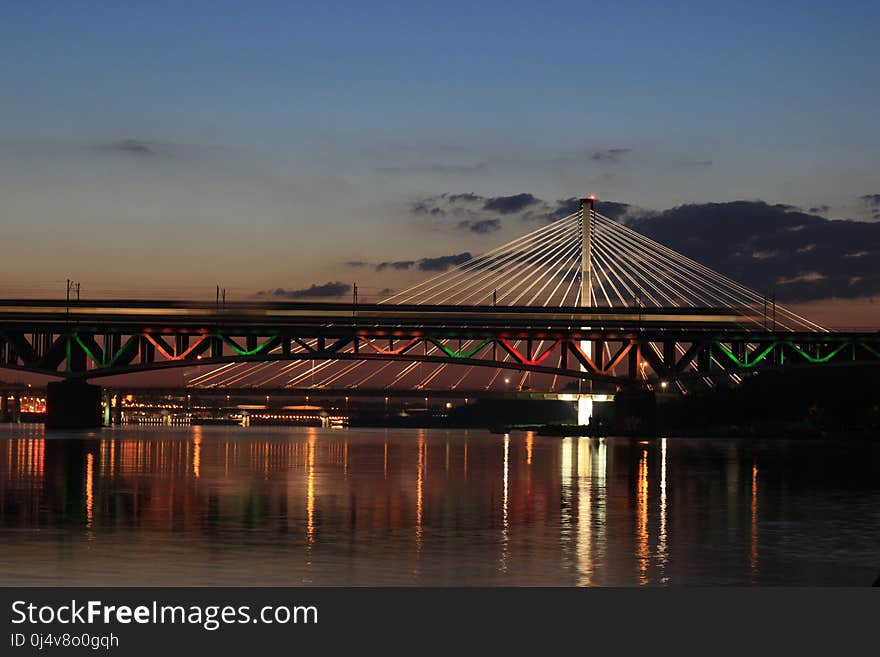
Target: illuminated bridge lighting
581, 299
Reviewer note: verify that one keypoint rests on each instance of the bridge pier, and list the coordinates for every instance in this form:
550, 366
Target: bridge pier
584, 409
116, 411
4, 407
15, 409
112, 408
635, 411
73, 405
106, 404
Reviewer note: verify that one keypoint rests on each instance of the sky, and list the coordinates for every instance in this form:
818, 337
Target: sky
164, 148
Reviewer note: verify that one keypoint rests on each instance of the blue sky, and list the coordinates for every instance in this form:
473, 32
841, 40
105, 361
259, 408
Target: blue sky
262, 144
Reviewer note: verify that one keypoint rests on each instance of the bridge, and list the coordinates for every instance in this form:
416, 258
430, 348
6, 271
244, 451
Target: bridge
580, 302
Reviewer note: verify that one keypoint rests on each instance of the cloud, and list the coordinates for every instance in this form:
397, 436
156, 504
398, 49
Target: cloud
425, 207
356, 264
612, 155
398, 265
804, 277
442, 263
439, 263
873, 203
567, 206
478, 214
754, 242
509, 204
133, 147
481, 227
819, 209
484, 214
467, 197
314, 291
764, 245
759, 244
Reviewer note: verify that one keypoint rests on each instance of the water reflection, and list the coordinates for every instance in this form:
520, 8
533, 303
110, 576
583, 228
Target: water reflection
310, 487
420, 483
642, 518
753, 546
505, 521
585, 514
215, 505
197, 450
90, 496
662, 556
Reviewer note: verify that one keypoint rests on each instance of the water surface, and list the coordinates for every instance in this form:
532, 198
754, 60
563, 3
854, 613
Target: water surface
291, 506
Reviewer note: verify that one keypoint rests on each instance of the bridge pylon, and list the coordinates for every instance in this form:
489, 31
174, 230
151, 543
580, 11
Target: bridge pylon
585, 388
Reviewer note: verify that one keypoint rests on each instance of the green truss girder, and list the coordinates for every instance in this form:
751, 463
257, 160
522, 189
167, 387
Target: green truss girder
459, 354
753, 361
271, 342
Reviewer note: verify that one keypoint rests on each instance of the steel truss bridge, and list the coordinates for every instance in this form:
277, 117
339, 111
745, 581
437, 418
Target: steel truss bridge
111, 337
583, 298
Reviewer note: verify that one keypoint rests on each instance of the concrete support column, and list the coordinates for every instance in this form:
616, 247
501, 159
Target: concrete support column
116, 413
15, 409
635, 412
107, 402
73, 405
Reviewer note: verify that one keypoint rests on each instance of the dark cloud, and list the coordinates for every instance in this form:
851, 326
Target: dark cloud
778, 248
426, 207
314, 291
481, 226
567, 206
442, 263
399, 265
467, 197
610, 154
819, 209
133, 147
613, 210
873, 203
773, 248
509, 204
472, 212
356, 264
480, 214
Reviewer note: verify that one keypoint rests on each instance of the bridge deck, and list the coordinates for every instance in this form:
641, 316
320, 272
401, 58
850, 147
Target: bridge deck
194, 315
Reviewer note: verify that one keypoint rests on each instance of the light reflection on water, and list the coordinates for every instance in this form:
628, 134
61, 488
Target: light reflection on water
287, 506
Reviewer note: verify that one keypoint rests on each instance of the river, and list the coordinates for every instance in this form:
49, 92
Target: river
194, 506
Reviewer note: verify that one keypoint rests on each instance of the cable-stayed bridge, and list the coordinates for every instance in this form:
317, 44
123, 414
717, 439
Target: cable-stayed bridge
583, 304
